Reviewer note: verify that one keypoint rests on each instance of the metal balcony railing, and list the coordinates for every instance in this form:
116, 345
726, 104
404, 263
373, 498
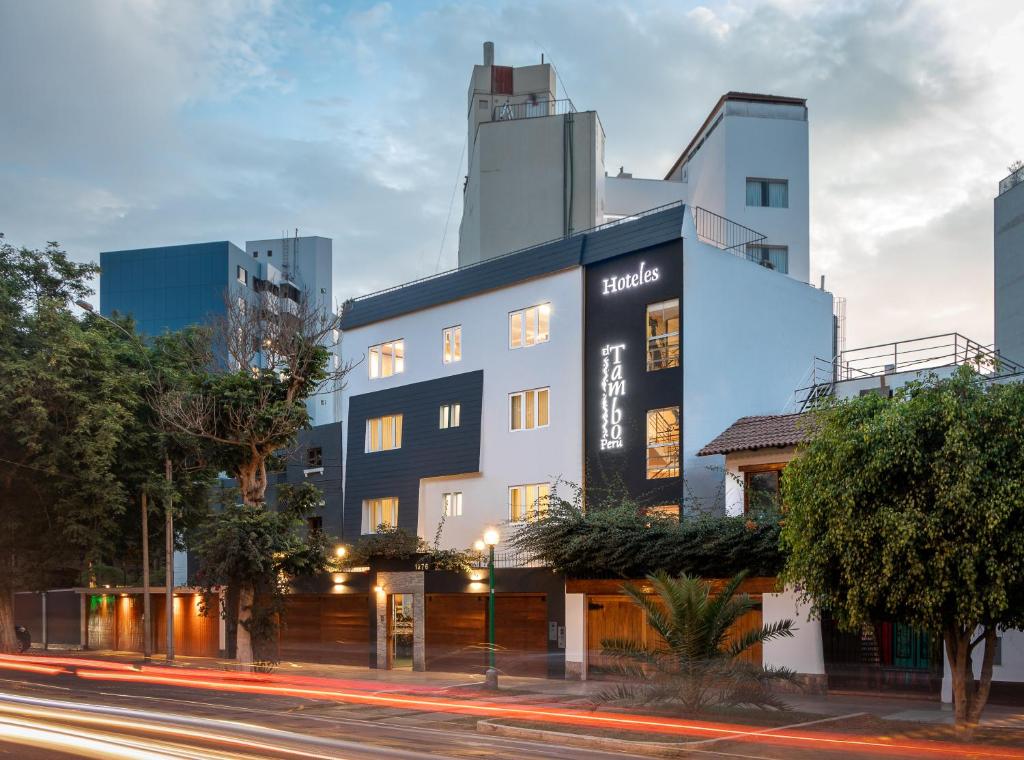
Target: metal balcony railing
1013, 179
724, 233
532, 110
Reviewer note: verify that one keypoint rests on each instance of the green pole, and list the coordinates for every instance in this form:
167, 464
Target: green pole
490, 605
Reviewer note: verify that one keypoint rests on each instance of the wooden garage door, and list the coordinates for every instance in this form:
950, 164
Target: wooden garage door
330, 628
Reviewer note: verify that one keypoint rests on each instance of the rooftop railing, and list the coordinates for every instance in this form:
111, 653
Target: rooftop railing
532, 110
1012, 179
723, 233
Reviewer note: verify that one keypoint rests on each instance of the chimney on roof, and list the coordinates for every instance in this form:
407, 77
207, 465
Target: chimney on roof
488, 54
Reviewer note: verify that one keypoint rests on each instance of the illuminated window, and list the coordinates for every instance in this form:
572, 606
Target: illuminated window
528, 327
387, 359
663, 335
384, 433
379, 513
528, 502
670, 511
452, 344
452, 503
663, 443
450, 415
528, 409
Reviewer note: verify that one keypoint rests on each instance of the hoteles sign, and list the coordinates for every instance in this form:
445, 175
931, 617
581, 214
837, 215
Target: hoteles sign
613, 386
625, 281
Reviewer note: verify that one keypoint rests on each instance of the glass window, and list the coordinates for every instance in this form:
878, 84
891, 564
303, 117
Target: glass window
315, 457
663, 335
528, 409
452, 344
450, 415
452, 503
384, 433
243, 275
528, 327
770, 193
379, 513
670, 511
387, 359
528, 502
762, 489
770, 256
663, 443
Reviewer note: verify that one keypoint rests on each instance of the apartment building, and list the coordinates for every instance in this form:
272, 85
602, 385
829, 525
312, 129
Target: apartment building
1009, 265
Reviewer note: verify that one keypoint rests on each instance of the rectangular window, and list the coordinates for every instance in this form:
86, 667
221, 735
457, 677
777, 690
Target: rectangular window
243, 275
255, 254
270, 253
528, 409
528, 327
450, 414
379, 513
663, 443
762, 488
770, 257
452, 344
769, 193
452, 503
315, 457
384, 433
387, 359
670, 511
528, 502
663, 335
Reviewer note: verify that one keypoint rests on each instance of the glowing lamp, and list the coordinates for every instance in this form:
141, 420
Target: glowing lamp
491, 537
340, 552
479, 545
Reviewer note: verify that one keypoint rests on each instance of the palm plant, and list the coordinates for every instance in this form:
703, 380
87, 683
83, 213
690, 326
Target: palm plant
698, 663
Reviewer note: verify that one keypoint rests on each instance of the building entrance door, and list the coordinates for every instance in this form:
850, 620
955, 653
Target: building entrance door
400, 631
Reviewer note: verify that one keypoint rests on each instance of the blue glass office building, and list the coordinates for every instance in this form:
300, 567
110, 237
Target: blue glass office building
170, 287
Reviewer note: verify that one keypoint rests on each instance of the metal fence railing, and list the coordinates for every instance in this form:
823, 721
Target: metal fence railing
507, 559
1013, 179
724, 233
532, 110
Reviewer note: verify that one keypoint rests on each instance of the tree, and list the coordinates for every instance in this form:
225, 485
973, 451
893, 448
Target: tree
615, 537
698, 662
70, 400
247, 381
262, 548
913, 509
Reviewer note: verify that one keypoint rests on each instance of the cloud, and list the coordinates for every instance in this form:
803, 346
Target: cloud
129, 124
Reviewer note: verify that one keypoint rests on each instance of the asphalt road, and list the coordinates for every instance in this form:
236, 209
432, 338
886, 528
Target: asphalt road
62, 715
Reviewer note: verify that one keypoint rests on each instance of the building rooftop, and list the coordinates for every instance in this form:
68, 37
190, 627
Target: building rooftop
762, 432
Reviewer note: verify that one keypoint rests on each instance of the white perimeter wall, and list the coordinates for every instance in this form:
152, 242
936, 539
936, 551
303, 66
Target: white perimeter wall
803, 653
1011, 669
506, 458
749, 337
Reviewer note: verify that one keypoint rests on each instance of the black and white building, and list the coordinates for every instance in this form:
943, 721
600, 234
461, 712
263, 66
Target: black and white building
615, 353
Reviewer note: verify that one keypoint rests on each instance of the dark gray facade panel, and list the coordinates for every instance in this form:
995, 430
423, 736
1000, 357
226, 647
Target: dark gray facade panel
427, 450
584, 248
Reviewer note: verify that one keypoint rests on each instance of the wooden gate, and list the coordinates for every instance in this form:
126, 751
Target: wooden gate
328, 628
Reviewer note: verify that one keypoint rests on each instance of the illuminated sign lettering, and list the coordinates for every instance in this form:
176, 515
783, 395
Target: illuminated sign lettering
625, 281
613, 387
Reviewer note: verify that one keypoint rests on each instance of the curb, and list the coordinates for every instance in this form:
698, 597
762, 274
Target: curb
655, 749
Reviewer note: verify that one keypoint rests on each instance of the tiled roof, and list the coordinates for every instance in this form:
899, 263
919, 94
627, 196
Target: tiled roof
764, 432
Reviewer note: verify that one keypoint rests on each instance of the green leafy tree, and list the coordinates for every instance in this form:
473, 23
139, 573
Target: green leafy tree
70, 401
912, 509
698, 662
614, 537
246, 382
263, 548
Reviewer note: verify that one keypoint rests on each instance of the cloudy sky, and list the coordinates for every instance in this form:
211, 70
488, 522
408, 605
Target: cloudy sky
128, 123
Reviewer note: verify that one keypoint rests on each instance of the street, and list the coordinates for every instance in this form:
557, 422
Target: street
64, 711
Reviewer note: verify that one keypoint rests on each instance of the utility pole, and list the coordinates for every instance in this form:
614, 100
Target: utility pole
147, 620
169, 584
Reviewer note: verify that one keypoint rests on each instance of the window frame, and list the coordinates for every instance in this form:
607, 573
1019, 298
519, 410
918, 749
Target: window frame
759, 469
451, 503
523, 325
658, 447
383, 501
664, 336
453, 418
523, 411
371, 365
396, 432
314, 457
455, 355
528, 514
764, 259
242, 275
765, 183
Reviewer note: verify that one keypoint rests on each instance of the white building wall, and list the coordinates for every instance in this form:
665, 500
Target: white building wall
626, 196
803, 653
1010, 669
506, 458
749, 335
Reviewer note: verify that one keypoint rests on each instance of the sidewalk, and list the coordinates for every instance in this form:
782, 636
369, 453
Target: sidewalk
885, 707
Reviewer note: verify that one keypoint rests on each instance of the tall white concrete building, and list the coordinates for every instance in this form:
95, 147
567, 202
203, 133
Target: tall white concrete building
1009, 266
537, 169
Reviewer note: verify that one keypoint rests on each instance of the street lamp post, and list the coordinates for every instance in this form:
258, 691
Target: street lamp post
169, 570
491, 538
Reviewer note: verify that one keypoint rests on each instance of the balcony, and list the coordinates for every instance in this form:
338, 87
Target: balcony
532, 109
1014, 178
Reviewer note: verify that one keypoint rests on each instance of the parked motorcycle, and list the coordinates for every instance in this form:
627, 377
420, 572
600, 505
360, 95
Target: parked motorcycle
24, 638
